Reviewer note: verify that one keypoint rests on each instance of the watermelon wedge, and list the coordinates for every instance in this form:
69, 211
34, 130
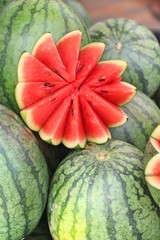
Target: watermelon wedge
67, 94
46, 52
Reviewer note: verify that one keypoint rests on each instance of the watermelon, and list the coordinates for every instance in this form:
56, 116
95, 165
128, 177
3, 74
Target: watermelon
80, 10
143, 116
22, 23
24, 178
152, 164
130, 41
3, 3
155, 138
67, 95
100, 193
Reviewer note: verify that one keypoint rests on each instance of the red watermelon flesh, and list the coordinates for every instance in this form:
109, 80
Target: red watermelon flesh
87, 60
112, 116
67, 95
75, 126
70, 44
37, 114
116, 93
96, 130
155, 138
105, 72
46, 52
152, 171
53, 133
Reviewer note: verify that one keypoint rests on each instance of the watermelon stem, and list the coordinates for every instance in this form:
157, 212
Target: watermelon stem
118, 45
102, 156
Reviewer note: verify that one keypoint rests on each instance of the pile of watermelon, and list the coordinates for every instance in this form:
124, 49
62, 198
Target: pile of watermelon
79, 125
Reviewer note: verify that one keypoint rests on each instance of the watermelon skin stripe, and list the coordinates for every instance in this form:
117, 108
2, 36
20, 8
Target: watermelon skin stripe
22, 192
26, 17
5, 198
22, 209
84, 194
143, 63
141, 121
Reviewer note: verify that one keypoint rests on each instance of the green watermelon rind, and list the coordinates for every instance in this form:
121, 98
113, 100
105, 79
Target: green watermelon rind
83, 202
143, 116
129, 40
24, 178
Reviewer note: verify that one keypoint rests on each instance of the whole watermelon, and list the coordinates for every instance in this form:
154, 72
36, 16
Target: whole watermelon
128, 40
3, 3
100, 193
22, 23
143, 116
24, 178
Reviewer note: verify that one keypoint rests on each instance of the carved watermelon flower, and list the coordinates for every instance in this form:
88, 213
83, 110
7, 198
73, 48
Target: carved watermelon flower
67, 95
152, 168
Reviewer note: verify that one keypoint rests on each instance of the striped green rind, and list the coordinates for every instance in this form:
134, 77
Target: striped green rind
23, 178
148, 154
3, 3
128, 40
143, 116
100, 193
22, 23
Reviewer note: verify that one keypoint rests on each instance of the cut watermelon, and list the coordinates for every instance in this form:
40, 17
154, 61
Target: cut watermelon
155, 138
87, 60
152, 168
70, 44
111, 115
75, 126
46, 52
96, 130
54, 127
152, 171
37, 114
67, 95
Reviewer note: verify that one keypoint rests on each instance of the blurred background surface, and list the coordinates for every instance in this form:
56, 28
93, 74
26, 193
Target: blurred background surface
146, 12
